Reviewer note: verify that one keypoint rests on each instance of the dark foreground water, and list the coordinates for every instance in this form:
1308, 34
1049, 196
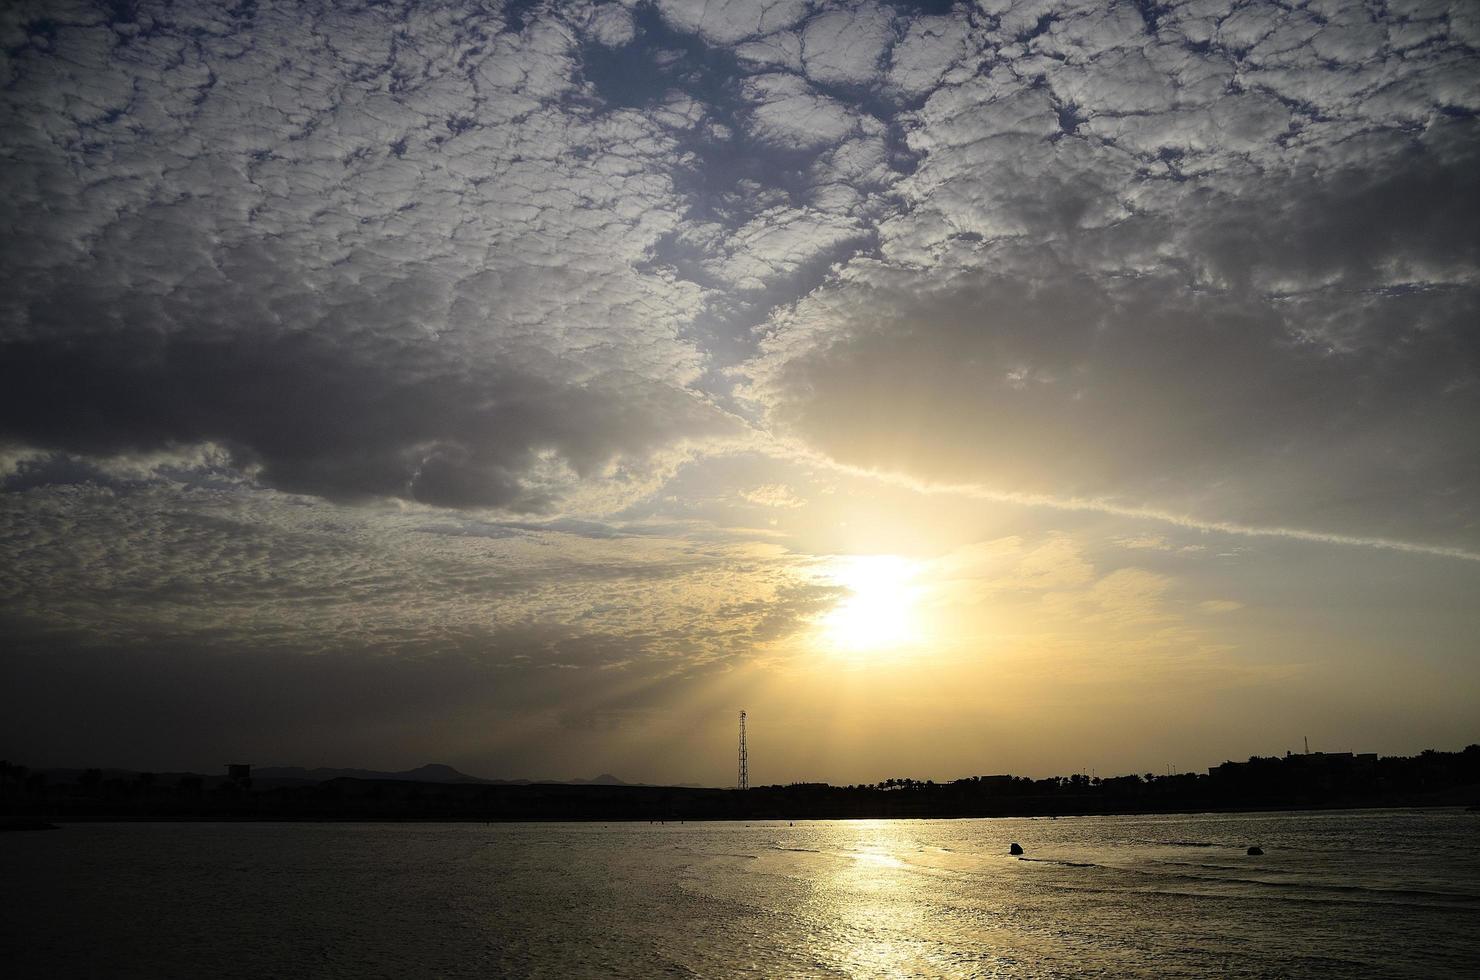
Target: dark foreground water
1359, 894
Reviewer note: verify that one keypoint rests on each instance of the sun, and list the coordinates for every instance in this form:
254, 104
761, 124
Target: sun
879, 611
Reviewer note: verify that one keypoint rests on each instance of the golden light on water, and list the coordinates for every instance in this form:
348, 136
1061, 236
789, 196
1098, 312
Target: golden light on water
879, 613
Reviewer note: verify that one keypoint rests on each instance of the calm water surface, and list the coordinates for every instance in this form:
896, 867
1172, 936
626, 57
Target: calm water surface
1349, 894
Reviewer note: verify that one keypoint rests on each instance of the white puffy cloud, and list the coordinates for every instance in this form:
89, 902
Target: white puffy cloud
930, 47
781, 50
612, 25
791, 114
729, 21
776, 243
846, 47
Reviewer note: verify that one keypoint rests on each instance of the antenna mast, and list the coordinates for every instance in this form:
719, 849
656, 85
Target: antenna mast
744, 762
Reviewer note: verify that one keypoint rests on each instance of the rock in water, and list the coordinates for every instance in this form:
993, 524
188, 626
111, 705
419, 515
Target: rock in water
1255, 851
1016, 848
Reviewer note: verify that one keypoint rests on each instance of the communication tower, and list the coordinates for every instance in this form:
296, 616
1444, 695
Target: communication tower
744, 763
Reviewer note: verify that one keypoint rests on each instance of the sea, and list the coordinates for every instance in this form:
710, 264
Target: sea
1369, 893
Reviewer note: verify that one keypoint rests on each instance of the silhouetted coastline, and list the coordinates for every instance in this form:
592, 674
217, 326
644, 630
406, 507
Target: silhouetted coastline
1314, 781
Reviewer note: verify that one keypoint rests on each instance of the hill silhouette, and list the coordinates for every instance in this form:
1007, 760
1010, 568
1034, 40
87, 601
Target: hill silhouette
434, 772
440, 792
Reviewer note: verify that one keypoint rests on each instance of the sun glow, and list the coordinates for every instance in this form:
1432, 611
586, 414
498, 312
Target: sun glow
879, 612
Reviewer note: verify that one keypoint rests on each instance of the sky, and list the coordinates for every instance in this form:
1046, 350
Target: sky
959, 388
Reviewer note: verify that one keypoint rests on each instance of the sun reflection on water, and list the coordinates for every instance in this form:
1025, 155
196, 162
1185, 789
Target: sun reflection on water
873, 905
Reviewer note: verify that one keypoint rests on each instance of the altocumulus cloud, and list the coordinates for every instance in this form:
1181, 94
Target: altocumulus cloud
1209, 258
372, 252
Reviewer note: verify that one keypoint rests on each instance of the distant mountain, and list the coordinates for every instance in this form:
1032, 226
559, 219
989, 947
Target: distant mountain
431, 773
605, 779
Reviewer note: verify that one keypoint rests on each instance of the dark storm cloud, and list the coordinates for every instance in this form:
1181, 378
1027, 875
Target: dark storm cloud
1217, 263
323, 417
1303, 354
1067, 387
1407, 217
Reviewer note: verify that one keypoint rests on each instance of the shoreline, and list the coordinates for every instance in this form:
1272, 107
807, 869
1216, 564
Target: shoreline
56, 821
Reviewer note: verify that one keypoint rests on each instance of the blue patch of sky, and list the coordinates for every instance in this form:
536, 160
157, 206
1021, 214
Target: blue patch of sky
641, 73
1150, 13
727, 332
1044, 23
730, 179
517, 13
657, 59
660, 59
1070, 118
